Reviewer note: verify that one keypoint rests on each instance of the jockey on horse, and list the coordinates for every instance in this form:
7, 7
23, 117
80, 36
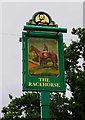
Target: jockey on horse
44, 55
45, 51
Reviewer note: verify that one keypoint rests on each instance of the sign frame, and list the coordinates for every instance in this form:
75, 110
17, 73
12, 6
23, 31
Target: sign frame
56, 83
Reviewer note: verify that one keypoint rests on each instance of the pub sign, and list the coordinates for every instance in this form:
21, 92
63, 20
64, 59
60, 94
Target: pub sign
43, 54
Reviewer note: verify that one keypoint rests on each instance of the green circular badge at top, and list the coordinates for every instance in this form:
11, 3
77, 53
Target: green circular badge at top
41, 18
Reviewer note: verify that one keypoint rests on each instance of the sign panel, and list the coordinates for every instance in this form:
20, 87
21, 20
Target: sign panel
43, 62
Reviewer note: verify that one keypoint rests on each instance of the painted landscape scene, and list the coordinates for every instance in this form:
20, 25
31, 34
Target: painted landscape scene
43, 57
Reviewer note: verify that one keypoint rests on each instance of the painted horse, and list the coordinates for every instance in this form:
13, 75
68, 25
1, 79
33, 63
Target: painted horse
38, 53
41, 58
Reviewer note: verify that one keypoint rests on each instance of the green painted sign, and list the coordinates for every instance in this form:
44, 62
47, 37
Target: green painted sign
43, 55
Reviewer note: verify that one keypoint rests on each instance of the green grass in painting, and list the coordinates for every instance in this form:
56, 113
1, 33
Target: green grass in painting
44, 71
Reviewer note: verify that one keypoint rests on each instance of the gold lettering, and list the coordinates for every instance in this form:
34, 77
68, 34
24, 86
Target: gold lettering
30, 84
44, 79
43, 84
40, 79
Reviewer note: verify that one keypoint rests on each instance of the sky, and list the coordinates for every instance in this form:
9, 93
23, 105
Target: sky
14, 16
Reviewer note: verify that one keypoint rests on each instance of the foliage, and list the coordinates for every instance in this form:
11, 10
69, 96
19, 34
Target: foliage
76, 74
61, 108
25, 107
